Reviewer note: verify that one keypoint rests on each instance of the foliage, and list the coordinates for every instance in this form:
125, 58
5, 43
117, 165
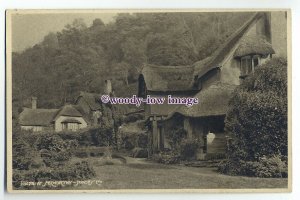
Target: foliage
81, 57
46, 156
25, 157
189, 148
176, 135
50, 142
134, 140
167, 157
71, 171
272, 167
257, 120
102, 136
54, 159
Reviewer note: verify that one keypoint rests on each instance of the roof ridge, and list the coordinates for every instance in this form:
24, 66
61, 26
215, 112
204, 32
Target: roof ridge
213, 61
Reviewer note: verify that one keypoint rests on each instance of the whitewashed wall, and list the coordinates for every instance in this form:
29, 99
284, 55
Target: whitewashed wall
58, 124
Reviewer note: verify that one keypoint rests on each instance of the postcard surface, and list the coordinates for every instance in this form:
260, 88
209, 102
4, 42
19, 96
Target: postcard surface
148, 100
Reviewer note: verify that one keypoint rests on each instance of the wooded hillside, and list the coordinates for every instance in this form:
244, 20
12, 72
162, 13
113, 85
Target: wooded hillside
81, 57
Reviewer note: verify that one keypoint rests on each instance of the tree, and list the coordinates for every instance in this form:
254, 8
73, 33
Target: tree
80, 57
169, 49
97, 23
257, 116
50, 41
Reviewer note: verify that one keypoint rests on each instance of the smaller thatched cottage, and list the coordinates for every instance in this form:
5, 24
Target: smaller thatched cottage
38, 119
212, 80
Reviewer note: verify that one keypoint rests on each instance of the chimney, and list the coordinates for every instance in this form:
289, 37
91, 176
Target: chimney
108, 87
33, 102
279, 32
263, 26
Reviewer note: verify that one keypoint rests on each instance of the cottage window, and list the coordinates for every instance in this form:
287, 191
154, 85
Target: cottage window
64, 126
70, 126
248, 64
73, 126
37, 128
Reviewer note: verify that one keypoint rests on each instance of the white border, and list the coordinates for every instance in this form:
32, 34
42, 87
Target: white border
123, 4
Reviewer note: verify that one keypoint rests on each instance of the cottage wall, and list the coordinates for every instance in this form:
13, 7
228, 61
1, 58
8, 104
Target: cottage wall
37, 128
58, 124
230, 71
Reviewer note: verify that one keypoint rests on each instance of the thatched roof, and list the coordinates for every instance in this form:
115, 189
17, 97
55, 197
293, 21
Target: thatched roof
253, 46
213, 101
168, 78
92, 99
37, 117
44, 117
181, 78
216, 59
71, 120
69, 110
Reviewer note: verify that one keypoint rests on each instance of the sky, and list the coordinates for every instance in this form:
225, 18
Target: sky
30, 29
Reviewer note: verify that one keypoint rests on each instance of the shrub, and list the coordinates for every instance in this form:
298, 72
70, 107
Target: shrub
51, 142
257, 116
189, 148
25, 156
176, 135
257, 123
71, 171
167, 157
272, 167
54, 159
102, 136
134, 140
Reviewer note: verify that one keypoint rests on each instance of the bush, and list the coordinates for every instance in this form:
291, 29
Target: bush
51, 142
95, 136
272, 167
257, 123
189, 148
102, 136
134, 140
169, 157
176, 135
25, 156
257, 116
71, 171
54, 159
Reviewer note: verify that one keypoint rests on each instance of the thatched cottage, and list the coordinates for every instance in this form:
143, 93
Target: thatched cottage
212, 80
90, 105
38, 119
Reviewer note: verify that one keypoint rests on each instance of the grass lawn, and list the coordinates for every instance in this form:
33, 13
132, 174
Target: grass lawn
141, 174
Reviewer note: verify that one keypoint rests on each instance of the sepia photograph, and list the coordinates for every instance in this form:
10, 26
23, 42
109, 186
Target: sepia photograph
148, 100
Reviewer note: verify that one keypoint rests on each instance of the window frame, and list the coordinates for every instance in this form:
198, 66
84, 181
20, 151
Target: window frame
246, 69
